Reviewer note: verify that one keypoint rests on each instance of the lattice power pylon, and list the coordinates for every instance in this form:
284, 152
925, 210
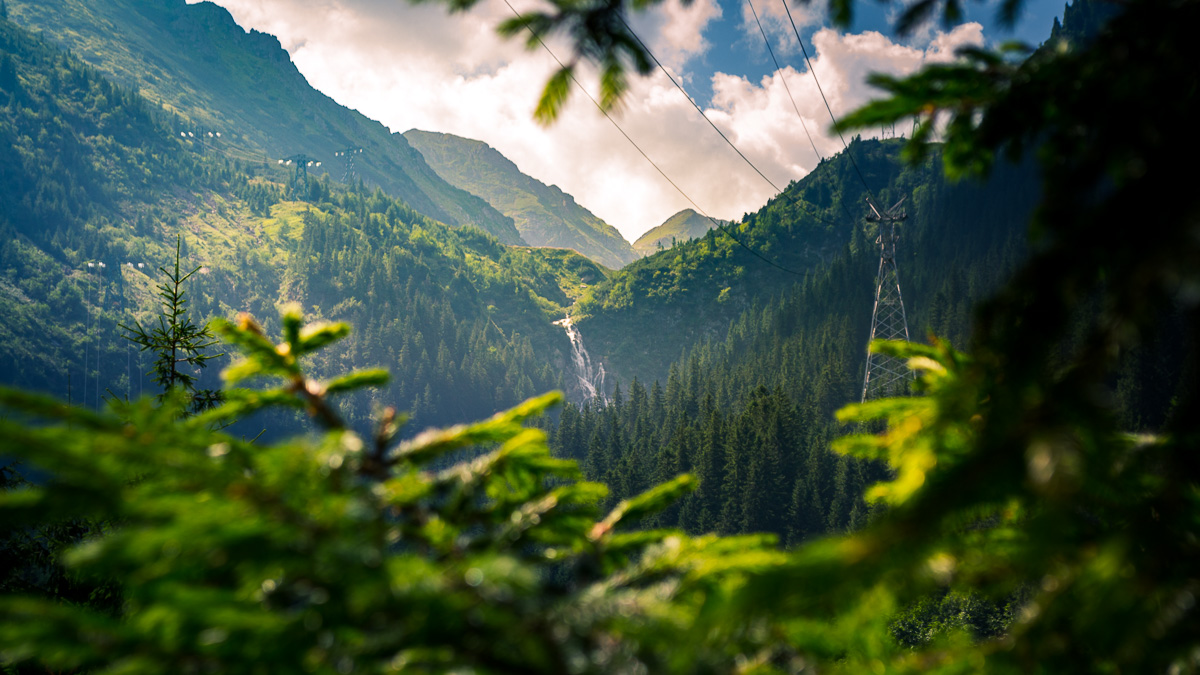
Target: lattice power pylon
886, 375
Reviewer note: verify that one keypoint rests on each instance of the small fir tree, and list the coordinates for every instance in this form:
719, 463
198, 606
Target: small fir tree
176, 341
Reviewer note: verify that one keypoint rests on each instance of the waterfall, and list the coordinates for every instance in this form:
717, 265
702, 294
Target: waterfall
589, 379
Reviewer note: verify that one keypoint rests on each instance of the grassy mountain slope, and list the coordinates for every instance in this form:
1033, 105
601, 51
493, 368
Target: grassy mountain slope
195, 61
544, 214
98, 175
685, 225
648, 313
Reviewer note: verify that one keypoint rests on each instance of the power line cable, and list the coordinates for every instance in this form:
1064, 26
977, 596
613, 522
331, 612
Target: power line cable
716, 223
779, 70
791, 98
700, 110
813, 71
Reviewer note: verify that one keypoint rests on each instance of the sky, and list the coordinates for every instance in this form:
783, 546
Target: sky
417, 66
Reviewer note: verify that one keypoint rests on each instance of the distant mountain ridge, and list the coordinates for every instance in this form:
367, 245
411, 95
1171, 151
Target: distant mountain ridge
543, 214
685, 225
195, 61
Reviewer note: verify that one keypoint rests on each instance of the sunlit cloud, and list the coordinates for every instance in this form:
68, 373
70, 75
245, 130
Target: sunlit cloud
418, 67
675, 33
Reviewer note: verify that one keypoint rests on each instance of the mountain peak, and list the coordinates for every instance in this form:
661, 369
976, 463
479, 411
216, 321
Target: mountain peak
685, 225
544, 214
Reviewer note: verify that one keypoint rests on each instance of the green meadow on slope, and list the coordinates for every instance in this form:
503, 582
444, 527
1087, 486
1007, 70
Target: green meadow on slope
194, 61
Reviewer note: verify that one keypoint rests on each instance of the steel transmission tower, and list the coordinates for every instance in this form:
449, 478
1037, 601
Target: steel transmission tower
887, 375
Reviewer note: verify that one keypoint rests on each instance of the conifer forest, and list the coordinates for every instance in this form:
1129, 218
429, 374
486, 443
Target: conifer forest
287, 389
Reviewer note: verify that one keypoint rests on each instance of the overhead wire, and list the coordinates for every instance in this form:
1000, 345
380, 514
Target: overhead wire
791, 98
800, 205
820, 90
783, 79
716, 223
234, 153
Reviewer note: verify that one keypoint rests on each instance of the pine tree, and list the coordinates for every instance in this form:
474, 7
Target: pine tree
710, 470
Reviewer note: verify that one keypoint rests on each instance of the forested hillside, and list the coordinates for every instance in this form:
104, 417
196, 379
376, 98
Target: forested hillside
752, 416
100, 187
959, 238
751, 413
543, 214
196, 62
748, 408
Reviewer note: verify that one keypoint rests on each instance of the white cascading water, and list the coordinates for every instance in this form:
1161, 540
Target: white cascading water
589, 378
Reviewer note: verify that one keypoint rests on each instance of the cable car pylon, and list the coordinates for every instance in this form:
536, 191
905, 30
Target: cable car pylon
887, 375
301, 163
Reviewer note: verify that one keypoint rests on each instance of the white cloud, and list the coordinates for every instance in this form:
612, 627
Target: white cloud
942, 47
417, 67
676, 32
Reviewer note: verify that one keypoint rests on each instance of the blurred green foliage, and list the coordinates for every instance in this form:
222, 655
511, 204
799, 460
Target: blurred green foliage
334, 552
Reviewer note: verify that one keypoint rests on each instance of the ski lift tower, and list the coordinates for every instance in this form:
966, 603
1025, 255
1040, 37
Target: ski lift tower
301, 164
887, 375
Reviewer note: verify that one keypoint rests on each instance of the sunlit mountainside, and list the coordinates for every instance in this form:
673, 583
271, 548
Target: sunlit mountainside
194, 61
543, 214
101, 187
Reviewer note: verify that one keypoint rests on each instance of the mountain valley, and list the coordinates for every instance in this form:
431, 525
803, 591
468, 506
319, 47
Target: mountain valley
282, 390
381, 260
